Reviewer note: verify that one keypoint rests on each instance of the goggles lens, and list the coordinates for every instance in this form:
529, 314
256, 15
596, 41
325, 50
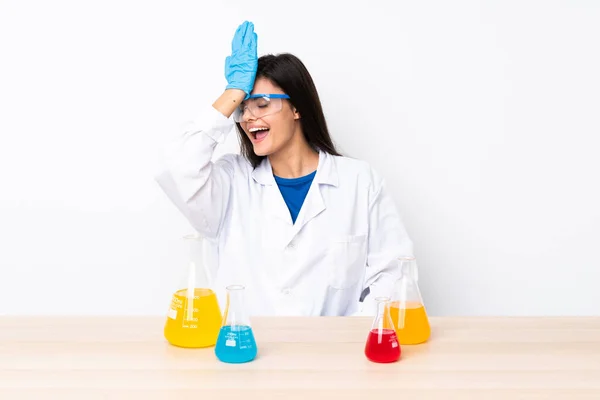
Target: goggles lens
258, 106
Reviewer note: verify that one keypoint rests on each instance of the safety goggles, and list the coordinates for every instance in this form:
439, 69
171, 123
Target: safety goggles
258, 106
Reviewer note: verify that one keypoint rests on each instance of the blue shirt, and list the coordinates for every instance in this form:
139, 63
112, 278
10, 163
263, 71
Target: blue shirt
294, 191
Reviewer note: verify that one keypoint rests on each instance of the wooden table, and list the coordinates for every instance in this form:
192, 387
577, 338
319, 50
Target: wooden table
300, 358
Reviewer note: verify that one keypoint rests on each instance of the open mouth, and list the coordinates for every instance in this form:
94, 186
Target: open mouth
259, 133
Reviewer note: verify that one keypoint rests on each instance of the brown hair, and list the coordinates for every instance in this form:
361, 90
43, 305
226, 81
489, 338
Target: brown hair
290, 74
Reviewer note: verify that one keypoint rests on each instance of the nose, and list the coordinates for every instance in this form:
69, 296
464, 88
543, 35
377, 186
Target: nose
247, 116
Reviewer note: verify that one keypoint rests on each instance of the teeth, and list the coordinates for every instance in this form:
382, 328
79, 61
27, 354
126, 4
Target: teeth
258, 129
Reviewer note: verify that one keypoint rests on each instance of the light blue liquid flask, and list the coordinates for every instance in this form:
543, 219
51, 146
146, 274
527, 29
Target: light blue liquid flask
236, 343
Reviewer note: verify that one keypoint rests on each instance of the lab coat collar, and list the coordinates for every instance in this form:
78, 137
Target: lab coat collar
326, 171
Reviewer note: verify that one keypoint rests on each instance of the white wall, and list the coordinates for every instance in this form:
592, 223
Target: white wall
483, 116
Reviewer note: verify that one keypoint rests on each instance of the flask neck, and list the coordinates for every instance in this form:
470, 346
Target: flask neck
198, 273
195, 248
236, 311
408, 268
381, 304
407, 293
382, 318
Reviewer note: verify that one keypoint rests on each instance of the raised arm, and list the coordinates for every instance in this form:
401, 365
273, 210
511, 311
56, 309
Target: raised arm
199, 187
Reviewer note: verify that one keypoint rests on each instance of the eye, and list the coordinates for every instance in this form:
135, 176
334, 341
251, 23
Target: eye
262, 103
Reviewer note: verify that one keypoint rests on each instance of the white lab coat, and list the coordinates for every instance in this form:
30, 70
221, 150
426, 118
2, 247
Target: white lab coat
346, 238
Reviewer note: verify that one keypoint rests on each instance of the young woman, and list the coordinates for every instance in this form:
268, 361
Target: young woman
304, 229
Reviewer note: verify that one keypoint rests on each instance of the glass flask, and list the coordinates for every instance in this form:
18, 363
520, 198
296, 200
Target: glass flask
382, 343
194, 316
236, 343
406, 308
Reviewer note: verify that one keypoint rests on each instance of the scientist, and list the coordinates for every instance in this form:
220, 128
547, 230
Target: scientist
304, 229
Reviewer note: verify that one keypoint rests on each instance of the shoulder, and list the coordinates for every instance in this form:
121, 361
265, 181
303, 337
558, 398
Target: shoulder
359, 171
237, 162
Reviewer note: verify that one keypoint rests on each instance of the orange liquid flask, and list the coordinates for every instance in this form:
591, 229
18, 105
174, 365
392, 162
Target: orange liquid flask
194, 317
382, 343
406, 308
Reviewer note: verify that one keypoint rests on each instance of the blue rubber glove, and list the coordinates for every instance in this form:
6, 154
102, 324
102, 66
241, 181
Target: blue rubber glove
240, 66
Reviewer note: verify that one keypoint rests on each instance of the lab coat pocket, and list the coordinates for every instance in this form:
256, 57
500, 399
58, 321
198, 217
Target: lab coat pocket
347, 256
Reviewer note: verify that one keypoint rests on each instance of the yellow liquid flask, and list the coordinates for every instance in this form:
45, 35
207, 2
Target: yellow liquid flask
406, 308
194, 317
236, 343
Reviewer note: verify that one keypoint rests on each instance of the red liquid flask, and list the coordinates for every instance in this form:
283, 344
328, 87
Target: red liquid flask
382, 343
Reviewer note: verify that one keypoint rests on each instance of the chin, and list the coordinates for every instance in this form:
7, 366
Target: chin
262, 152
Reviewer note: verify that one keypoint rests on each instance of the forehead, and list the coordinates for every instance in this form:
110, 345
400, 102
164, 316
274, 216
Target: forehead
265, 86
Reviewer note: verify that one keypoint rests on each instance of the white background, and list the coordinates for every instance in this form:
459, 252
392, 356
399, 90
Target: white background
483, 117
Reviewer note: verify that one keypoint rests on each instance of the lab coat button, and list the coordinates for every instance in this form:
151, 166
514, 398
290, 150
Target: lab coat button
285, 291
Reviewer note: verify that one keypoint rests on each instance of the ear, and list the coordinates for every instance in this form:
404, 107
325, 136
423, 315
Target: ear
296, 114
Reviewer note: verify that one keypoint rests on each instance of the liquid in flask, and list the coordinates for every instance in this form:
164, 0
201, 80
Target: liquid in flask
194, 316
382, 343
236, 343
406, 308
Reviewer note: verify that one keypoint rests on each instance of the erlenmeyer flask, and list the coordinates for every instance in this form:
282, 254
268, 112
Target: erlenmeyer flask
407, 309
194, 317
382, 344
236, 343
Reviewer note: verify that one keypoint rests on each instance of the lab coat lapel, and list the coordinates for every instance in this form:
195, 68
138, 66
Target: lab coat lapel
278, 221
314, 204
282, 229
